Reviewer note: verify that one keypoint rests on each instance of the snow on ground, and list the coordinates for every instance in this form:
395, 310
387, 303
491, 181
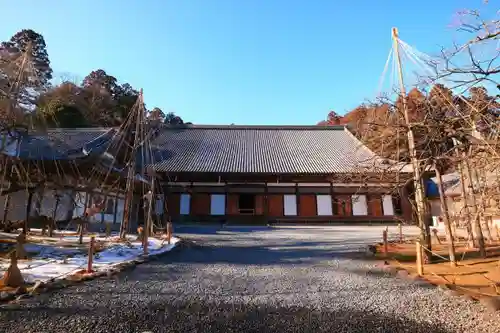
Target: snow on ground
53, 261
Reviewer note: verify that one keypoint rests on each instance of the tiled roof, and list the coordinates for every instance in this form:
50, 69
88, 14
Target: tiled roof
452, 184
260, 149
223, 149
56, 144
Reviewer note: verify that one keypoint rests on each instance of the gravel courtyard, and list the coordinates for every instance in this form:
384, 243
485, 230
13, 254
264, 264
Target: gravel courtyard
287, 279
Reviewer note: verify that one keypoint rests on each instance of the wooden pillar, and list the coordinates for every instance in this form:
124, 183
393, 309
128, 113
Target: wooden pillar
297, 198
406, 207
54, 215
115, 209
26, 227
266, 204
332, 200
6, 206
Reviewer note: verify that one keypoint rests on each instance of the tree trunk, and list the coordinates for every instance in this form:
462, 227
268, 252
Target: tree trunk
446, 216
477, 221
465, 203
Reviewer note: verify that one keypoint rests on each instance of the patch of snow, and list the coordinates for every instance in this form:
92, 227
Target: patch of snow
53, 261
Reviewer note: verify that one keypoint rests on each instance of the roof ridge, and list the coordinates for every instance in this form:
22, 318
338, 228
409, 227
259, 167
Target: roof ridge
256, 127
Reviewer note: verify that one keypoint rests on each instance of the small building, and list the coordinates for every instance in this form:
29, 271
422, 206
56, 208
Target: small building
452, 186
259, 174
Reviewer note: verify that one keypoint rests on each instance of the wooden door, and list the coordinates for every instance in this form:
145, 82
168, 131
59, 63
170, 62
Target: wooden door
173, 204
275, 205
200, 204
232, 204
375, 205
307, 205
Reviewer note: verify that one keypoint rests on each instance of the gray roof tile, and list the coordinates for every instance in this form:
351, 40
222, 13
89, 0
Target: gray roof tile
225, 149
260, 149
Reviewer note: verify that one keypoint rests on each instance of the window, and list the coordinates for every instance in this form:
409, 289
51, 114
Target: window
324, 205
359, 205
246, 203
290, 201
387, 205
217, 204
185, 204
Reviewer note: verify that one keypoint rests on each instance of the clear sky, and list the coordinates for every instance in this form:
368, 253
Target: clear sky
236, 61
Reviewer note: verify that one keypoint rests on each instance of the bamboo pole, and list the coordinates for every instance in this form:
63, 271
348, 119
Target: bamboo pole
417, 177
420, 266
446, 216
149, 221
386, 246
131, 172
400, 227
6, 206
90, 254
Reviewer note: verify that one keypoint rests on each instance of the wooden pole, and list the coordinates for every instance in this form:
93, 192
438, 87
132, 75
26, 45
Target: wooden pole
400, 227
386, 246
54, 215
26, 225
84, 219
446, 216
417, 177
149, 221
477, 221
91, 254
484, 219
169, 232
131, 170
6, 208
420, 266
465, 201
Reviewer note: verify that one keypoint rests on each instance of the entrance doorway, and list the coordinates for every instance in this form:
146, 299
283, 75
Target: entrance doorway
246, 203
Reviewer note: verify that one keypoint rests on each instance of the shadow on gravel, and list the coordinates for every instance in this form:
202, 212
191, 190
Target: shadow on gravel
205, 317
215, 229
289, 254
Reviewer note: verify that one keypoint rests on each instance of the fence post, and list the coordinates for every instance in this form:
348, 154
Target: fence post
91, 254
400, 226
384, 237
420, 266
169, 232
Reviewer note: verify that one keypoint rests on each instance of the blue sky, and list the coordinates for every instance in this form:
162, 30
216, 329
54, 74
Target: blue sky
236, 61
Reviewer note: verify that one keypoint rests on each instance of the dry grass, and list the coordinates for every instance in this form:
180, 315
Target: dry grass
473, 275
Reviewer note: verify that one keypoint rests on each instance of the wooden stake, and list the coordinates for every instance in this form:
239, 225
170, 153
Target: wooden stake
400, 227
386, 246
169, 232
13, 277
420, 266
91, 254
108, 229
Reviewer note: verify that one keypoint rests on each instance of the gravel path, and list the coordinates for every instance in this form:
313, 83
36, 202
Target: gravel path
254, 280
